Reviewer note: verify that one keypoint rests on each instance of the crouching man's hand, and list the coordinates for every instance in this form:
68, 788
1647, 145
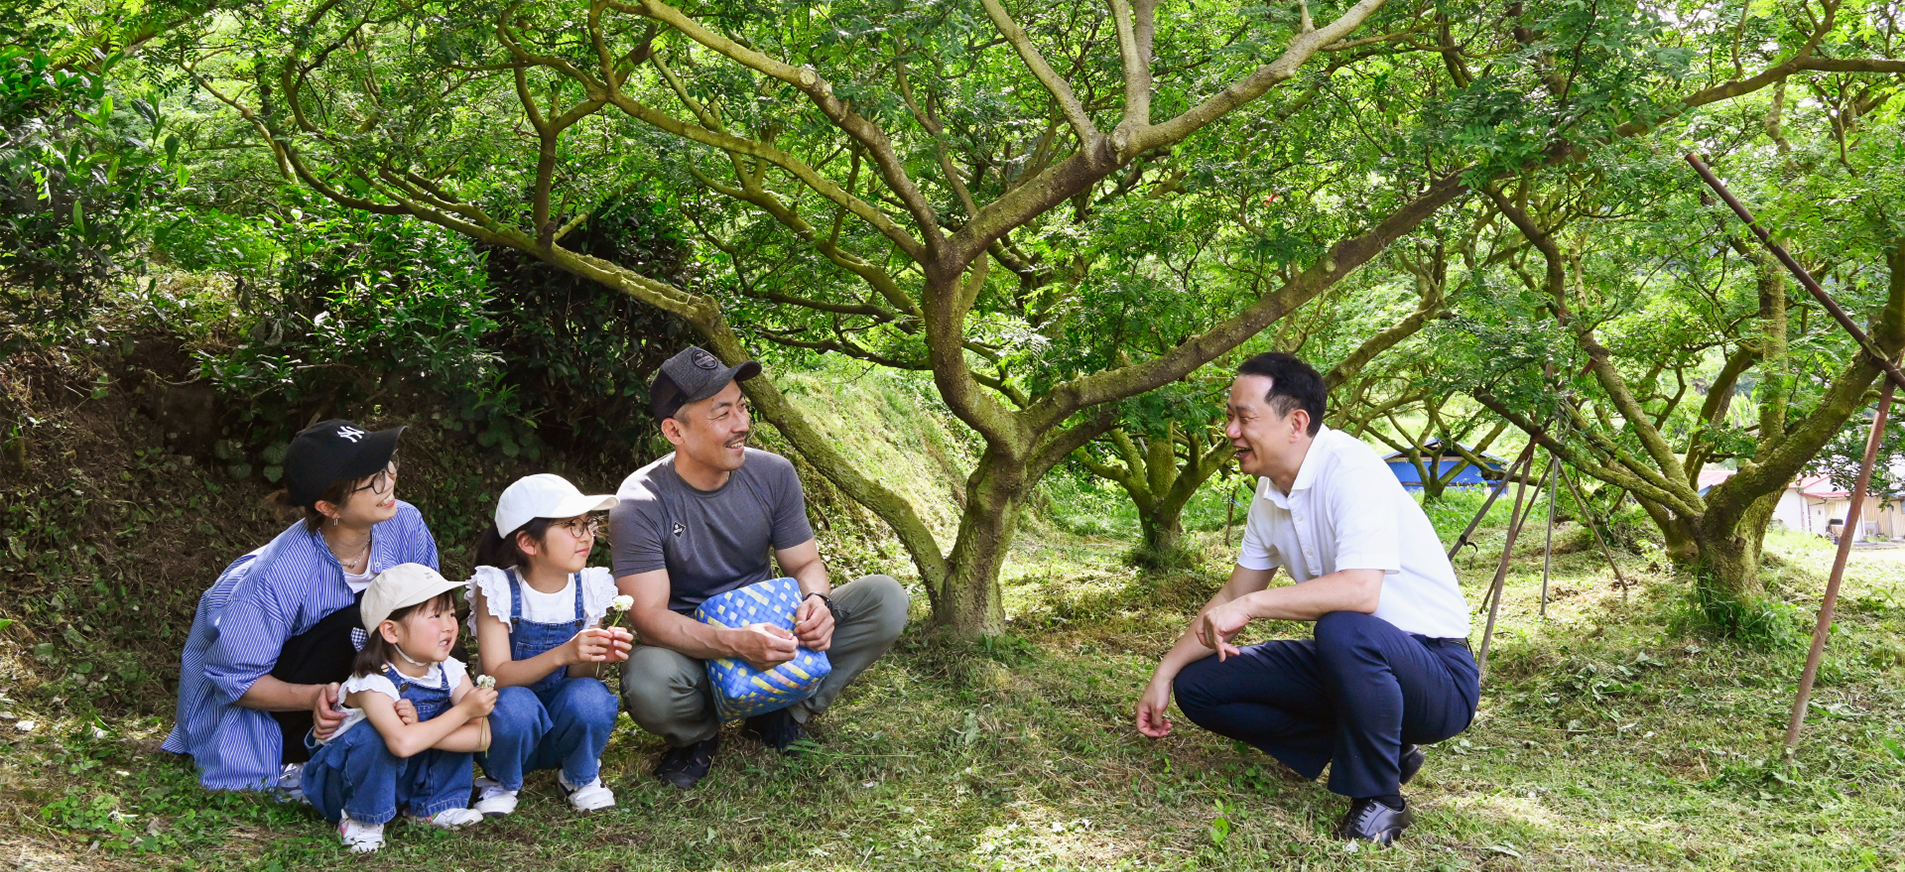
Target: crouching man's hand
764, 646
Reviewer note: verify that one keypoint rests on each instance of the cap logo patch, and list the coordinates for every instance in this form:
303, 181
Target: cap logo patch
351, 433
705, 360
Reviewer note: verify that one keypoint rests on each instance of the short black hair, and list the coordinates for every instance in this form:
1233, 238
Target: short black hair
1293, 385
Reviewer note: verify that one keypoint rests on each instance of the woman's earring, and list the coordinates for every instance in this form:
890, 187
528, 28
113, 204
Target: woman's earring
336, 520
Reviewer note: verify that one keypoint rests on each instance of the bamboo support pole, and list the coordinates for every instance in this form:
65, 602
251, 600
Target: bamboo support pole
1894, 379
1588, 519
1515, 520
1525, 458
1847, 536
1805, 278
1547, 549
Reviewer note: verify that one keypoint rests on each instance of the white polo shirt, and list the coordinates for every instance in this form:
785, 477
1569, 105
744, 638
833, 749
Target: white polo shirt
1346, 510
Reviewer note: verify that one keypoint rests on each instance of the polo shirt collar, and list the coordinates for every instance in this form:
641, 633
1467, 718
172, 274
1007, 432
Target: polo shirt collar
1312, 461
1305, 475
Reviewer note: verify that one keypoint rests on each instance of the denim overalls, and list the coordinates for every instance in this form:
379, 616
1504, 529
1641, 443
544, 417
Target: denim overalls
556, 722
356, 774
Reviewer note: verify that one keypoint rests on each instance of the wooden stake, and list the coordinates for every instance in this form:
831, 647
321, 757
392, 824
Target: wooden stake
1509, 473
1515, 520
1547, 550
1587, 517
1846, 537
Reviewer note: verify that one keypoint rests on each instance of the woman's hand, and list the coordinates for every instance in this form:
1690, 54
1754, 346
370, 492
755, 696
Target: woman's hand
325, 718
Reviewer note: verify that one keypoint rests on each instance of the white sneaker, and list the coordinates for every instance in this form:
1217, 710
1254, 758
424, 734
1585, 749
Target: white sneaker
588, 797
290, 784
454, 818
492, 799
360, 838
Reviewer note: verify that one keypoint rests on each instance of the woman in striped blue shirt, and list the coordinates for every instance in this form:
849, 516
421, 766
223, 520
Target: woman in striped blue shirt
277, 632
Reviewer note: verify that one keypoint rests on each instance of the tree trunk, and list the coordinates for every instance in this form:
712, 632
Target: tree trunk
1722, 558
969, 604
1163, 528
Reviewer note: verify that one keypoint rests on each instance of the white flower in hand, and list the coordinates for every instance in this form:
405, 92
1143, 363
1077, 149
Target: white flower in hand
486, 681
622, 603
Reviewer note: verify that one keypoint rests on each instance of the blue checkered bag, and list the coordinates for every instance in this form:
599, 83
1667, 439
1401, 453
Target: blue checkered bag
740, 690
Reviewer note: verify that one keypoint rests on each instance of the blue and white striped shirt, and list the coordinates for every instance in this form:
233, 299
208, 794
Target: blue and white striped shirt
261, 600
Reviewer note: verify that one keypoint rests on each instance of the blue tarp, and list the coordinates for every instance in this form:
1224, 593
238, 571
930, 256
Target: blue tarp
1405, 471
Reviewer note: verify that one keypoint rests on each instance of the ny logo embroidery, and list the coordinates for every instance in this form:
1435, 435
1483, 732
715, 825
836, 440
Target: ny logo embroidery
351, 433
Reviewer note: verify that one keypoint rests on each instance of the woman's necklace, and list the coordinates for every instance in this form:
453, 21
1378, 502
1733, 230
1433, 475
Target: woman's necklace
353, 560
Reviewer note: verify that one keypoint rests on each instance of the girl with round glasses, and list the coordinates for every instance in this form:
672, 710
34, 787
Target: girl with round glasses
537, 609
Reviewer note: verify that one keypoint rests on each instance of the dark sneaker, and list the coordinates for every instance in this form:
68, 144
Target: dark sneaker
684, 767
777, 730
1371, 821
1412, 758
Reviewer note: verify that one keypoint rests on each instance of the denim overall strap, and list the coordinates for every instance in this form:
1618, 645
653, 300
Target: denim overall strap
530, 638
430, 701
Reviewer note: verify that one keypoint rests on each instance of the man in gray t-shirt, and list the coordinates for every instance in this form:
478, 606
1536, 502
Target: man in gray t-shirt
710, 542
702, 521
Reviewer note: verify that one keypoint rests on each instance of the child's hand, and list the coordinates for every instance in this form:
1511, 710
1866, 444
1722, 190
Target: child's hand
406, 712
597, 645
621, 643
481, 700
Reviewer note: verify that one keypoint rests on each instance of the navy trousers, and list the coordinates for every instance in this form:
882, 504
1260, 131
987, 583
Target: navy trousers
1349, 699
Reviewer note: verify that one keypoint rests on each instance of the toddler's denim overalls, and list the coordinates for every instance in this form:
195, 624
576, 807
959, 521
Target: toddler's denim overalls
355, 773
557, 722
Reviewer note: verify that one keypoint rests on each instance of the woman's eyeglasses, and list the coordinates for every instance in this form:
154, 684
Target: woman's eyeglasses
380, 483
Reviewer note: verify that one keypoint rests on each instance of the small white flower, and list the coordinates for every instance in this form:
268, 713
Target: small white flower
622, 603
486, 681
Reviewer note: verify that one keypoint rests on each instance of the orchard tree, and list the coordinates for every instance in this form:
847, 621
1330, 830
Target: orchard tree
958, 188
1678, 343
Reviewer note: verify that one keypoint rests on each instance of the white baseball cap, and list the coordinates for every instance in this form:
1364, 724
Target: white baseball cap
544, 495
405, 584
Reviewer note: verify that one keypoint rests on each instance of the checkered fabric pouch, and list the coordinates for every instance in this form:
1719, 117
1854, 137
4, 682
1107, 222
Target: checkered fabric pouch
740, 690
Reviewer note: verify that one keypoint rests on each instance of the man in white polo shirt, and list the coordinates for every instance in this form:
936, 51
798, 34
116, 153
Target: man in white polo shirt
1389, 667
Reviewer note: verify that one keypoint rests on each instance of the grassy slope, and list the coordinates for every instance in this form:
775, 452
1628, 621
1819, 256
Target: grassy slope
1603, 742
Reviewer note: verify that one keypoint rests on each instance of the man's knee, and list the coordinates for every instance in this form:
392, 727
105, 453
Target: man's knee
1344, 632
882, 601
655, 681
1193, 689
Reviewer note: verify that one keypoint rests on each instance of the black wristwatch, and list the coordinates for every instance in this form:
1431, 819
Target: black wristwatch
839, 614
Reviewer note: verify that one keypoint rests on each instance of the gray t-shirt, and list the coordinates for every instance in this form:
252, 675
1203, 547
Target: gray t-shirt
710, 542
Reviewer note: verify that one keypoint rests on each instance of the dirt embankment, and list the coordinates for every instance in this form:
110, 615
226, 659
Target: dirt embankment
121, 500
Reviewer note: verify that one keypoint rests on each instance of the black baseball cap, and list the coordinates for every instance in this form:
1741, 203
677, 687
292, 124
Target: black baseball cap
692, 375
330, 450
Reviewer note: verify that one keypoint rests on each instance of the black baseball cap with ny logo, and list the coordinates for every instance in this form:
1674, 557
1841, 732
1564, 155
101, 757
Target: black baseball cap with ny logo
331, 450
690, 376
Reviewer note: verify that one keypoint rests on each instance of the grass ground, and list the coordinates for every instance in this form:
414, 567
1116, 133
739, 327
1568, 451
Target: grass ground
1605, 741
